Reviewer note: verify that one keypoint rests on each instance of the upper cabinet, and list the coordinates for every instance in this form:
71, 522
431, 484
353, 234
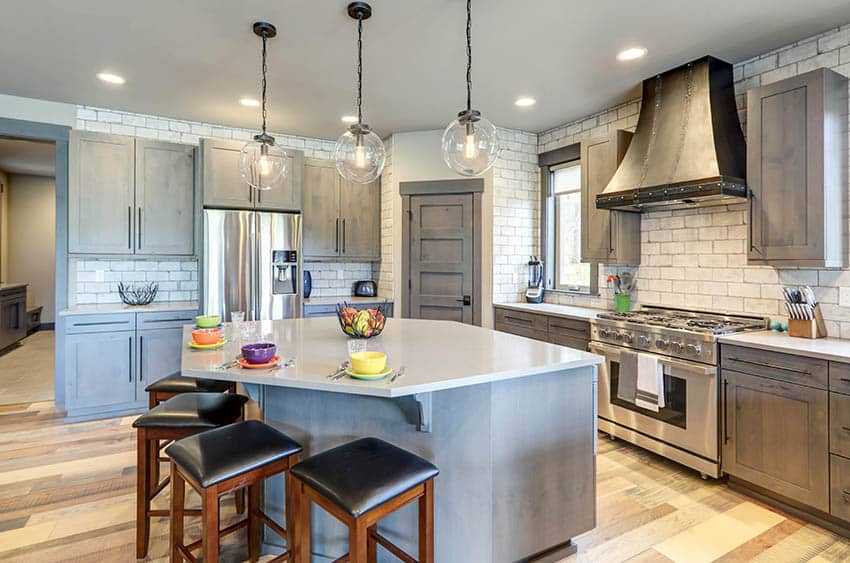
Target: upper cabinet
341, 218
610, 237
797, 170
130, 196
224, 186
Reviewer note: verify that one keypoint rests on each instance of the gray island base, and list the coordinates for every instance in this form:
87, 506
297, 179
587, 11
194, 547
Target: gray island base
509, 421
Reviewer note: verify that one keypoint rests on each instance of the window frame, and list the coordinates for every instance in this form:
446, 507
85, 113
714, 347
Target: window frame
550, 162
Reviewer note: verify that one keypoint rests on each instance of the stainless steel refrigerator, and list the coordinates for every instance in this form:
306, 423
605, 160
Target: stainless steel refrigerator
252, 263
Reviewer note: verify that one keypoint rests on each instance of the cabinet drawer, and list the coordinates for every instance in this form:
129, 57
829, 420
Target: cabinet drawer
319, 311
839, 424
569, 328
568, 341
13, 294
784, 367
170, 319
523, 320
839, 487
839, 377
106, 322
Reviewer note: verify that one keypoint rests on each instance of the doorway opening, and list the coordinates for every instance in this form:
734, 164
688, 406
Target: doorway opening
441, 242
27, 270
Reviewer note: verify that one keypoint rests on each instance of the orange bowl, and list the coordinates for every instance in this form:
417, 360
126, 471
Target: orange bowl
204, 336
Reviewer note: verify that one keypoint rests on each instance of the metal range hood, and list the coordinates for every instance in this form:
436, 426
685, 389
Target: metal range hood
688, 149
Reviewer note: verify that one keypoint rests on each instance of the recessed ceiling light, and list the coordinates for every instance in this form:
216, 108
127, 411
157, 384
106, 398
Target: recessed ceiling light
249, 102
631, 54
349, 119
525, 102
111, 78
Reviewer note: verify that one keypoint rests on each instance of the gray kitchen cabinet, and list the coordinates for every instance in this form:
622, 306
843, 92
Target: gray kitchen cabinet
797, 170
329, 309
165, 204
13, 316
341, 219
609, 237
100, 193
775, 436
159, 356
572, 333
224, 187
99, 372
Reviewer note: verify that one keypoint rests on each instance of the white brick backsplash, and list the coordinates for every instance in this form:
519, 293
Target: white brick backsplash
336, 279
96, 281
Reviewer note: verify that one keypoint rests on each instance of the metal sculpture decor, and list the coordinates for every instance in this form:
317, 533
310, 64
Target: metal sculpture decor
136, 295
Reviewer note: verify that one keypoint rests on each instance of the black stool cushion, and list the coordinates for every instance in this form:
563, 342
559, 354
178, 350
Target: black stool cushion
217, 455
176, 383
194, 410
364, 474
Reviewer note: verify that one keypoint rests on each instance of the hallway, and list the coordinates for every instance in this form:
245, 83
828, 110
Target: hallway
26, 370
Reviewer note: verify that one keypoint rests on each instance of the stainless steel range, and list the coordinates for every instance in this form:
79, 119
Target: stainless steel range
686, 428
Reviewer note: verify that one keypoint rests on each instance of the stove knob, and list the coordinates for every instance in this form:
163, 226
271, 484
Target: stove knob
677, 347
643, 341
603, 333
662, 344
695, 350
616, 336
627, 338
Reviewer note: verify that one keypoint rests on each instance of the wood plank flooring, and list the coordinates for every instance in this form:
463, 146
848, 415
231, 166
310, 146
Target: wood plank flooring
67, 494
26, 370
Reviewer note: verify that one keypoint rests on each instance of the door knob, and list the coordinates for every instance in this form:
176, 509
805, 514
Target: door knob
467, 300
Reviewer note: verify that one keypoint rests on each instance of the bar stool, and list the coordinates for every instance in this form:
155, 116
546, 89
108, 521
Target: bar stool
176, 384
220, 461
178, 417
359, 483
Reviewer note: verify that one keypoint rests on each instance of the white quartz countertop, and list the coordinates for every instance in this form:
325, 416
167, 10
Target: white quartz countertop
155, 307
350, 299
824, 348
565, 311
437, 355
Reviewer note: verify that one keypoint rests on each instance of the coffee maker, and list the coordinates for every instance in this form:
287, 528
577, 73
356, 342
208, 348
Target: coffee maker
534, 291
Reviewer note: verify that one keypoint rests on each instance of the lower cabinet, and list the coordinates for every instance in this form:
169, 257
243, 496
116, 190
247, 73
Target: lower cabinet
159, 352
572, 333
13, 316
329, 309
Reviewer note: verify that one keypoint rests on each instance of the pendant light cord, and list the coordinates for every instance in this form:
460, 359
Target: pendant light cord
359, 69
265, 70
468, 55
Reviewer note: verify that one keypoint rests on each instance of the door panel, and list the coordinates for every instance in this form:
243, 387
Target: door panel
286, 194
223, 184
441, 257
321, 209
277, 232
165, 198
229, 259
100, 369
158, 356
360, 211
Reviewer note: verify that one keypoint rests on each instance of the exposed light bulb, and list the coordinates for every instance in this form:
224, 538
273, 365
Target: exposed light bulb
265, 165
360, 156
470, 147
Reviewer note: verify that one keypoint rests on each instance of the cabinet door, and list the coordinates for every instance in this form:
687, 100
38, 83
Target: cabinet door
99, 369
360, 215
165, 198
222, 184
775, 435
100, 194
159, 356
13, 319
321, 209
286, 195
611, 237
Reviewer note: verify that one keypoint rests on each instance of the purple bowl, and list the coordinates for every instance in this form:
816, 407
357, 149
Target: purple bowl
260, 353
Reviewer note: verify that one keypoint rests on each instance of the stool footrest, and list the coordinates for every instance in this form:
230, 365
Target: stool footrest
223, 532
160, 487
187, 554
277, 528
165, 513
391, 547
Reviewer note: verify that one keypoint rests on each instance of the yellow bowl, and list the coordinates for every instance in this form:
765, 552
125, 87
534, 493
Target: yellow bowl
368, 363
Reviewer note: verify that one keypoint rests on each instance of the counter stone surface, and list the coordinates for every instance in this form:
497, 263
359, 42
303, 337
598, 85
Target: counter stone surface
552, 309
834, 349
348, 299
155, 307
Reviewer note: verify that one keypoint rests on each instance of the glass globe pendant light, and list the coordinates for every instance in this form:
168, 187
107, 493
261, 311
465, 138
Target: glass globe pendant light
359, 153
262, 163
470, 142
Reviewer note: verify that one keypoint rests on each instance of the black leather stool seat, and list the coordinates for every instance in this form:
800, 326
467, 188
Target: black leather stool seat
363, 474
176, 383
194, 410
217, 455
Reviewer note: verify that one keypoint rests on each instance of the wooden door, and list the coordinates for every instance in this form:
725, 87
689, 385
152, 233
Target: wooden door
360, 216
222, 183
165, 198
441, 257
285, 195
100, 194
159, 356
775, 435
785, 169
99, 369
321, 209
611, 237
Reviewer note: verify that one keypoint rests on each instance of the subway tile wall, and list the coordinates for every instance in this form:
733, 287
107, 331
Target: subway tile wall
336, 279
93, 281
697, 258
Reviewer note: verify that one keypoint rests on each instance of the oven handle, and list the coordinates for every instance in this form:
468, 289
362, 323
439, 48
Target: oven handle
692, 367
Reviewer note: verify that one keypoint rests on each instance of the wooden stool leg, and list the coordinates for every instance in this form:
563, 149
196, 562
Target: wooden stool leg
239, 498
210, 525
143, 501
178, 495
153, 445
253, 522
302, 548
426, 524
371, 545
357, 540
289, 515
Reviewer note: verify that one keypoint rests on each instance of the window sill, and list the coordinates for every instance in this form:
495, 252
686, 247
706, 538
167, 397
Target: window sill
568, 292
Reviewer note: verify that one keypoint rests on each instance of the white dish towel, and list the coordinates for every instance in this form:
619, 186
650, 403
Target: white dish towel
650, 383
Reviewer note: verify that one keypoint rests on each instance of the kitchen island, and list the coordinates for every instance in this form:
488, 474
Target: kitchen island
509, 421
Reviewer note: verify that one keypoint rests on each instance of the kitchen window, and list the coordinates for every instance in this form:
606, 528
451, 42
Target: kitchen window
561, 225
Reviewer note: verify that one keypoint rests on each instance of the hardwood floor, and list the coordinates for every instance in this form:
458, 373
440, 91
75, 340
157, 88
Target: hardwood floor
26, 370
67, 494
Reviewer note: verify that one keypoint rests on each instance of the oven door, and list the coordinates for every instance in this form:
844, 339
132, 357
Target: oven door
689, 418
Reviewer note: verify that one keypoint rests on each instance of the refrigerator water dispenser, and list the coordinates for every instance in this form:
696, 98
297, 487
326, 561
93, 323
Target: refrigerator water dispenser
284, 272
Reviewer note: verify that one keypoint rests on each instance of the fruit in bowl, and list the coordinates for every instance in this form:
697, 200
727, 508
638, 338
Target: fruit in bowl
362, 323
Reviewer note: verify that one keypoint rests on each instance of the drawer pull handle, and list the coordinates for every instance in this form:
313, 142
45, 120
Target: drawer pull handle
518, 320
843, 380
846, 495
846, 428
771, 366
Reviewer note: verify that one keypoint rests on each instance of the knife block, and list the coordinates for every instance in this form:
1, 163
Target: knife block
808, 328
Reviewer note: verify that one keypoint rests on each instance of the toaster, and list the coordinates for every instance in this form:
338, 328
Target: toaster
365, 288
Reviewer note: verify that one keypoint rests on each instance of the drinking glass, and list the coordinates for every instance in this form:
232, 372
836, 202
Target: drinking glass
237, 318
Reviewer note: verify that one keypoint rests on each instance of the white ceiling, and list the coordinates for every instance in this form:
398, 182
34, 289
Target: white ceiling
193, 59
18, 156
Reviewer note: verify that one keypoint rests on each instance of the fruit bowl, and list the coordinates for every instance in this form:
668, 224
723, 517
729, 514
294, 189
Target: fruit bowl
365, 322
